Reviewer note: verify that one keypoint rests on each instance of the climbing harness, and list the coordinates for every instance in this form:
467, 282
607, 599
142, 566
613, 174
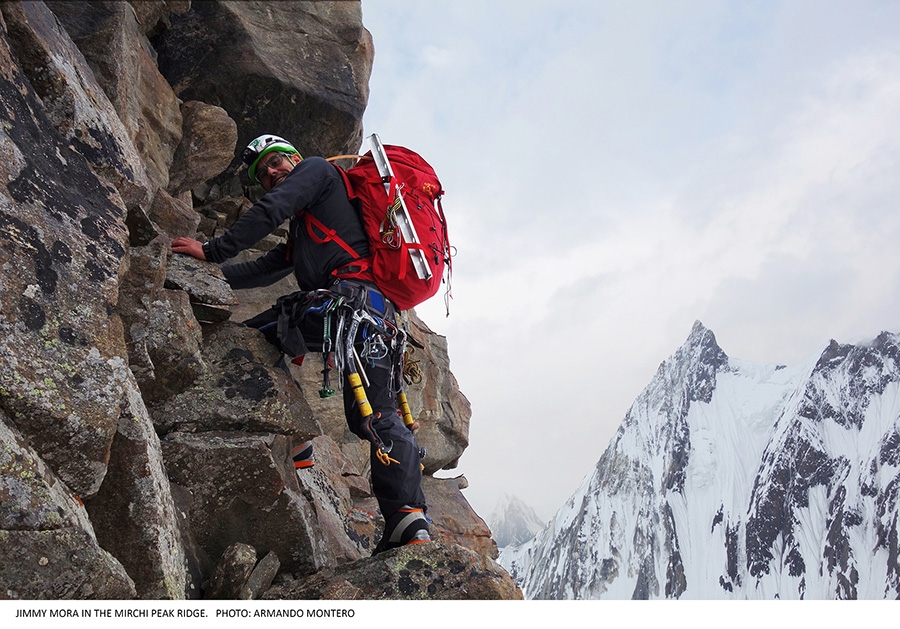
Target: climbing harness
354, 316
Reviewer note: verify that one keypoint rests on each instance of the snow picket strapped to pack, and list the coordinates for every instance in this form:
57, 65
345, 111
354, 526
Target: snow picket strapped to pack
406, 272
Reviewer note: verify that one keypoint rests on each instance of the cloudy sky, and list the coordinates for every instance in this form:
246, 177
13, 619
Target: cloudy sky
617, 170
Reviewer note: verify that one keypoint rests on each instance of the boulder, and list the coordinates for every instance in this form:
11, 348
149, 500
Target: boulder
243, 489
261, 578
240, 390
141, 230
134, 513
33, 496
143, 280
173, 345
453, 519
425, 571
232, 572
238, 576
173, 216
196, 561
201, 280
345, 508
163, 336
206, 149
62, 247
299, 70
59, 564
437, 404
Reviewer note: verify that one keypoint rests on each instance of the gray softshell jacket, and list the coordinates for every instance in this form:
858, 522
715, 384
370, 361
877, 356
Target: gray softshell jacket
313, 186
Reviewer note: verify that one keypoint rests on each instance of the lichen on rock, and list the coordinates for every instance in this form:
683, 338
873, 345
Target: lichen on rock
142, 432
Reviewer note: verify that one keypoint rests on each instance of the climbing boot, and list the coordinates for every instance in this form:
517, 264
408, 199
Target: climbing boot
303, 456
406, 527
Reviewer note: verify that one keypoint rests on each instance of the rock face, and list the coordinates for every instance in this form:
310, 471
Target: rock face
47, 541
730, 479
144, 437
110, 37
63, 252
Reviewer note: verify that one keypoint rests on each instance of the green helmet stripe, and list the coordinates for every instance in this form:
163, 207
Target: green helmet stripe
262, 146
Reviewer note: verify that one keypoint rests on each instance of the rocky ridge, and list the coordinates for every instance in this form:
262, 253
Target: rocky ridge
146, 435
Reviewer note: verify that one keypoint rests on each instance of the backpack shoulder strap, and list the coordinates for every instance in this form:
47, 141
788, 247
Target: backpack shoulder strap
318, 231
349, 186
327, 234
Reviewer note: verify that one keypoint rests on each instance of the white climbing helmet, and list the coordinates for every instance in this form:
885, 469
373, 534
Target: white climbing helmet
263, 145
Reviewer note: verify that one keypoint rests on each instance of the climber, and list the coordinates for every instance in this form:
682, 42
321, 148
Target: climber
321, 315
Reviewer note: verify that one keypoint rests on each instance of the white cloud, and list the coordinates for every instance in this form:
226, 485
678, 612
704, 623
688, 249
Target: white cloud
616, 171
438, 58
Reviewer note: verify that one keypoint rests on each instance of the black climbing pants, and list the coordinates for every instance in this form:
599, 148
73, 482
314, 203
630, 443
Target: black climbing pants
395, 485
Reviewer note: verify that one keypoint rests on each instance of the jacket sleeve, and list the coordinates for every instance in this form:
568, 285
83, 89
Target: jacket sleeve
262, 271
296, 192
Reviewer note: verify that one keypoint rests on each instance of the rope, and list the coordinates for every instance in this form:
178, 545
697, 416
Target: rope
412, 373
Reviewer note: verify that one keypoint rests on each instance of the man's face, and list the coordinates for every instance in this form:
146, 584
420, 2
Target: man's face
274, 167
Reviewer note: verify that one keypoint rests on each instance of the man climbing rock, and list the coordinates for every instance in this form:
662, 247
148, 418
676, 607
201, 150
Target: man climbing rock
349, 317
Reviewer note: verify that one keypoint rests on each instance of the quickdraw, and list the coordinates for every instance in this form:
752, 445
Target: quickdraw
327, 357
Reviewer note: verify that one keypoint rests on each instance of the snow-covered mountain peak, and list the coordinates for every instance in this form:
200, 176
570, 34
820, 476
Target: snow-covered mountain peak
513, 522
691, 370
847, 376
736, 479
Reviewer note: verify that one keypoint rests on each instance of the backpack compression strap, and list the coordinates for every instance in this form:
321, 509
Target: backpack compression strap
361, 265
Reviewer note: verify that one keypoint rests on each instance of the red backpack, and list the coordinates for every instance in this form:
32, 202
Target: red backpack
389, 263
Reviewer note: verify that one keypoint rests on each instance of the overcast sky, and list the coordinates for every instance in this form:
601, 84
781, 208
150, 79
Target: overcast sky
617, 170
